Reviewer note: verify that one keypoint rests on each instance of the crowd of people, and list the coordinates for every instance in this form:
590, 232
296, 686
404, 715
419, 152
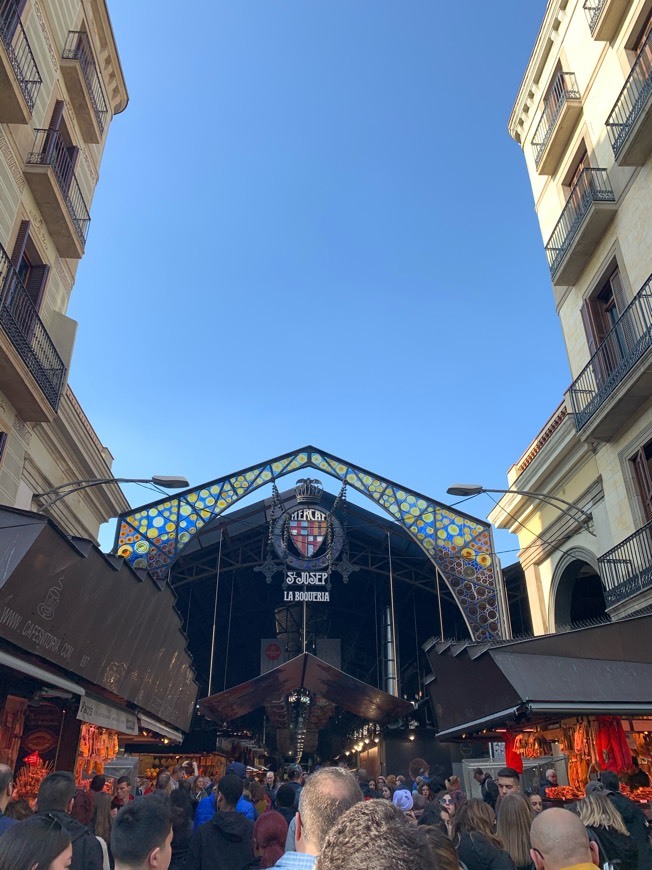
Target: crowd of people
333, 819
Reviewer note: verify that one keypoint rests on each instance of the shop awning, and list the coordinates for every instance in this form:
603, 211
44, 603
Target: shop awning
93, 617
306, 672
602, 669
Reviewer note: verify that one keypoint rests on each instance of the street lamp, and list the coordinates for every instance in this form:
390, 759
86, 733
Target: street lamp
584, 518
64, 489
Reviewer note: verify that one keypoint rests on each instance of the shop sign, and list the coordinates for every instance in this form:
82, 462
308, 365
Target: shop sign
106, 716
272, 654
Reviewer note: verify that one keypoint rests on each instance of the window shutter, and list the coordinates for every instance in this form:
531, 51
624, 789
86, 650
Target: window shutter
587, 321
57, 115
3, 443
69, 167
19, 244
36, 281
644, 480
619, 292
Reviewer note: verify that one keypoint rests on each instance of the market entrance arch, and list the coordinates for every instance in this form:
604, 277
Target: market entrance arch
578, 593
458, 545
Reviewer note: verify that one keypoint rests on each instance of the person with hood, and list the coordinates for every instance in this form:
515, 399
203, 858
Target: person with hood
226, 842
54, 801
633, 817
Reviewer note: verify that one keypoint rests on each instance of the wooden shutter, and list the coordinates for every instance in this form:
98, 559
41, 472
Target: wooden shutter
36, 281
595, 330
644, 481
53, 130
619, 292
19, 244
3, 443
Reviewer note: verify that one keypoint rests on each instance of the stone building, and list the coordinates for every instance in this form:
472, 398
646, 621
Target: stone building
61, 83
583, 118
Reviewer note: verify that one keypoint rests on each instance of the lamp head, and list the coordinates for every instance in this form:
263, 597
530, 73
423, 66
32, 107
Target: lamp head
463, 489
170, 482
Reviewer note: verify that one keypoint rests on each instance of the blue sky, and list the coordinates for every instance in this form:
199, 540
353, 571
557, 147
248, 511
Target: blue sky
312, 227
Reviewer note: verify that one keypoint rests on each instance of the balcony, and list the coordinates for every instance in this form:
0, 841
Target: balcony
32, 372
19, 76
50, 173
630, 123
626, 570
604, 16
562, 108
589, 210
618, 377
84, 86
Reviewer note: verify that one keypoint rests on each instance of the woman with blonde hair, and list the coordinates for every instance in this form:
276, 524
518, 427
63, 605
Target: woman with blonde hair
477, 846
605, 826
513, 829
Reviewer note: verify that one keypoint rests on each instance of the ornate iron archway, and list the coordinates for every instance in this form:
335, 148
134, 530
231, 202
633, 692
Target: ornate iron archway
459, 546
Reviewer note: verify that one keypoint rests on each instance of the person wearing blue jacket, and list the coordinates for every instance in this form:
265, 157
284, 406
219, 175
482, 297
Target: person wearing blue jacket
207, 807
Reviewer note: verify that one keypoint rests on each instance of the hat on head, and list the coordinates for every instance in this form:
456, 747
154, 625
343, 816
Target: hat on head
238, 768
402, 799
594, 786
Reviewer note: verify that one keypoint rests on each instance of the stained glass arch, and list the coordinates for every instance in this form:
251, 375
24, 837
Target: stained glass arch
459, 546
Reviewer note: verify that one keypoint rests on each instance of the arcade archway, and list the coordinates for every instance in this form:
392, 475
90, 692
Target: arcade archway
578, 595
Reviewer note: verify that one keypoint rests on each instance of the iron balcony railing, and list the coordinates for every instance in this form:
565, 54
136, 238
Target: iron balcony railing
78, 47
593, 9
631, 101
14, 39
564, 88
50, 150
625, 343
20, 321
626, 569
592, 185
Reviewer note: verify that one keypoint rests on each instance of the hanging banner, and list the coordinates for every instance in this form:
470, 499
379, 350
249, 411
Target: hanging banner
272, 654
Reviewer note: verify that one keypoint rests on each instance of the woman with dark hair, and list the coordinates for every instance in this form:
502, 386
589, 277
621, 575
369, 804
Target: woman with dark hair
386, 792
513, 829
182, 826
270, 831
442, 811
102, 819
39, 843
442, 849
259, 798
19, 810
477, 846
82, 811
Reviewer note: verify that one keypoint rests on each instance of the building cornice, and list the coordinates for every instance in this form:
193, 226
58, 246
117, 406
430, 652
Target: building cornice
109, 58
528, 93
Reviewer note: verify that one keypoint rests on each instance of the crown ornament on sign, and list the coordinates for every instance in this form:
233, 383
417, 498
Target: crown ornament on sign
308, 489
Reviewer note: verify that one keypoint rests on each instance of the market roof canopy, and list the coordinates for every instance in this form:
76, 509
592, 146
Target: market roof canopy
605, 668
306, 672
65, 601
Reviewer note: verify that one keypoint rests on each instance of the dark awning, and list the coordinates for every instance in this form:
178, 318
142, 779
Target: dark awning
601, 669
92, 615
306, 672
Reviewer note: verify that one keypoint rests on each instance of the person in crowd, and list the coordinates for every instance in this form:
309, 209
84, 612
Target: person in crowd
442, 810
418, 804
400, 781
373, 788
226, 841
637, 778
183, 813
54, 801
207, 806
473, 836
326, 796
453, 784
386, 792
163, 784
549, 782
374, 834
6, 791
285, 802
177, 774
391, 781
122, 793
487, 785
38, 842
535, 800
102, 820
142, 785
198, 789
259, 798
18, 809
419, 767
441, 848
294, 775
270, 831
513, 829
97, 785
605, 826
271, 786
633, 817
559, 841
141, 838
509, 781
82, 811
403, 800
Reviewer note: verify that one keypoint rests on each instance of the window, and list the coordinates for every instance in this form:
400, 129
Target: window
643, 34
61, 153
3, 444
601, 314
31, 270
642, 464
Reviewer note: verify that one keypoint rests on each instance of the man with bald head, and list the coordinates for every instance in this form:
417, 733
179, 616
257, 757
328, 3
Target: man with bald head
559, 842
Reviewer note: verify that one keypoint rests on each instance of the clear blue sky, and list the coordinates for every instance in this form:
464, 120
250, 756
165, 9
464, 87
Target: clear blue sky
312, 227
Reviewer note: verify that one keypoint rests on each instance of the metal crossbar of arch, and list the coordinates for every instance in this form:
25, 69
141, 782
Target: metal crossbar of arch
460, 546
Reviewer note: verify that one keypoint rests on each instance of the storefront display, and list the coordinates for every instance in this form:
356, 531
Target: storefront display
96, 747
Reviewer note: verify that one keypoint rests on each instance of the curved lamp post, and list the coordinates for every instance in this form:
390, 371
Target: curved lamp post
64, 489
581, 516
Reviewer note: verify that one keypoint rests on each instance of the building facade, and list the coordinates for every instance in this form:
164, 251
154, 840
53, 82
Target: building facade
583, 118
61, 83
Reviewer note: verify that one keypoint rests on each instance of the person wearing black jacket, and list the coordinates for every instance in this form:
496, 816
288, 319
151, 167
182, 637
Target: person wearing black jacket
633, 817
477, 846
54, 800
226, 842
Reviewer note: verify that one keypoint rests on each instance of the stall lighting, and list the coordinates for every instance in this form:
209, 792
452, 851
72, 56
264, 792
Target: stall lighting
411, 737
